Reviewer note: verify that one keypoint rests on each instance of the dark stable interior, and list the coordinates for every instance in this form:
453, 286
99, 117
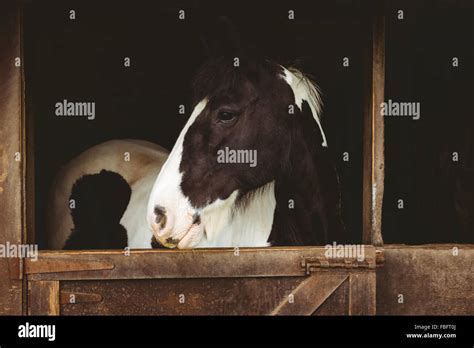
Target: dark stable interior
82, 59
420, 167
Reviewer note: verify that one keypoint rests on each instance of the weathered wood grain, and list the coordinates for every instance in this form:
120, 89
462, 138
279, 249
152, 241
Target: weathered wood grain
11, 148
362, 299
43, 298
200, 296
246, 281
310, 294
373, 145
431, 279
197, 263
222, 296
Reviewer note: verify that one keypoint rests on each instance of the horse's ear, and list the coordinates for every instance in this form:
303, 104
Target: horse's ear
220, 37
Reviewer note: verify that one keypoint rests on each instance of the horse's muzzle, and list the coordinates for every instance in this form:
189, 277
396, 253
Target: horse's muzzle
171, 232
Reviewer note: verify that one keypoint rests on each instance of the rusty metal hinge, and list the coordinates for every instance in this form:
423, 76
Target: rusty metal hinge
68, 297
310, 264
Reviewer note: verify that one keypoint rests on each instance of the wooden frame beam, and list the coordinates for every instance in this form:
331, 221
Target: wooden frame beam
44, 298
12, 155
373, 182
199, 263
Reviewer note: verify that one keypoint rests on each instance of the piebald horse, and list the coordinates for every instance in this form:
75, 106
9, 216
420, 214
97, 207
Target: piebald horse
190, 198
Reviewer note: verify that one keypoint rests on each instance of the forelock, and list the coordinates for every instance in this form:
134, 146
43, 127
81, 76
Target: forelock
219, 76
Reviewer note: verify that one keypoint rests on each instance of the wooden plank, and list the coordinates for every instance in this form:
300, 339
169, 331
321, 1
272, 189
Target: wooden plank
444, 246
426, 280
378, 160
197, 263
337, 303
373, 179
362, 300
310, 294
29, 113
322, 293
221, 296
11, 143
58, 266
43, 298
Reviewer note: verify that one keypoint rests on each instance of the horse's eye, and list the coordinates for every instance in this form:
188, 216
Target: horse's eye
226, 116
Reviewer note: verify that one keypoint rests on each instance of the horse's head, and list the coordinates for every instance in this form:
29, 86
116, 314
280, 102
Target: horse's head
238, 138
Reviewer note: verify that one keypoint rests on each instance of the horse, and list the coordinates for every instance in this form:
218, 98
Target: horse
206, 193
67, 209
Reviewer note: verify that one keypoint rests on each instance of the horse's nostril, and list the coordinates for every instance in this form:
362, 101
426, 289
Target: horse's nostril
196, 219
160, 215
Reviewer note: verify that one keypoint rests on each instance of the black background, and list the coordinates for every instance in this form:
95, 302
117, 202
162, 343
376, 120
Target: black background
139, 330
438, 193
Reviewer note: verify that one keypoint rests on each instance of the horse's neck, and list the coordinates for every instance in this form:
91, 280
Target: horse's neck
246, 223
297, 195
301, 207
308, 201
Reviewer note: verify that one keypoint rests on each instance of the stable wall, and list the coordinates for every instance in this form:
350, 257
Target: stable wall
431, 278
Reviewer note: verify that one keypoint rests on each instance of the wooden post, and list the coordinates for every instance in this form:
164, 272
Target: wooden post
11, 157
373, 181
43, 298
362, 288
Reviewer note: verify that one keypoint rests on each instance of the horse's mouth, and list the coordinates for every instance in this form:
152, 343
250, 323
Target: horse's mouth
156, 244
169, 243
188, 239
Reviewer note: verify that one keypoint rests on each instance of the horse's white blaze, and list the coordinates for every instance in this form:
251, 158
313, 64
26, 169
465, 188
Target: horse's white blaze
303, 89
167, 192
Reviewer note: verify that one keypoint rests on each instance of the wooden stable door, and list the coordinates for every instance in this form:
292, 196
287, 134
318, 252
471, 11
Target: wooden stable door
272, 281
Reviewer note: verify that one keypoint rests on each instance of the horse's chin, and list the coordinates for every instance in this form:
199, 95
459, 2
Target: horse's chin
192, 238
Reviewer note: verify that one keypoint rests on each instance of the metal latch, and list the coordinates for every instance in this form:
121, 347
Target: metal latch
70, 297
311, 264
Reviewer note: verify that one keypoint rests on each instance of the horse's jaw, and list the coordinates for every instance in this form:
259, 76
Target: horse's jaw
228, 223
